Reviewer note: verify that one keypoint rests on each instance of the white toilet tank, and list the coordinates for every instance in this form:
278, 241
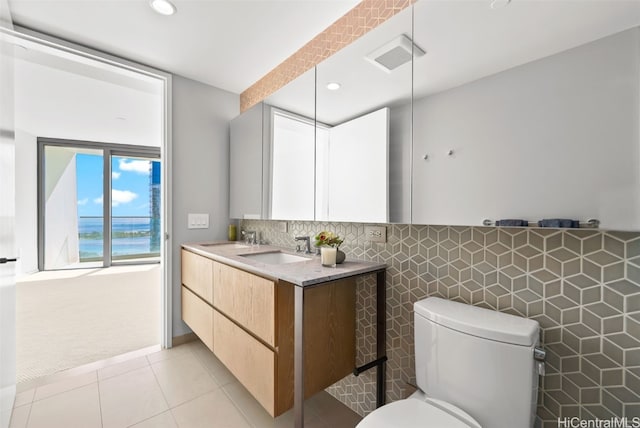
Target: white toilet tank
479, 360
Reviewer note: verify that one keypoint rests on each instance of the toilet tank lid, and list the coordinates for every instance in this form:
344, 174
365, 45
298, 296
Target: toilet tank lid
480, 322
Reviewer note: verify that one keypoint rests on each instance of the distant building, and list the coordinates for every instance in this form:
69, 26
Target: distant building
154, 207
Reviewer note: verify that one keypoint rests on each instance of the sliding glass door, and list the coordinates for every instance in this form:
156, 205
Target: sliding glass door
72, 225
135, 209
78, 226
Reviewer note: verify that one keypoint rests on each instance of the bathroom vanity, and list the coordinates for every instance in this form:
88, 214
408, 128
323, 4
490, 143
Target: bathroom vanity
282, 323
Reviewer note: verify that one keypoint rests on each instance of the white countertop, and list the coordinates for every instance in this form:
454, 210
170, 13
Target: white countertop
302, 273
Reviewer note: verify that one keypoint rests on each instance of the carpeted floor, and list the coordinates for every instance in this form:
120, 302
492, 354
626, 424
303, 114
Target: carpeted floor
73, 317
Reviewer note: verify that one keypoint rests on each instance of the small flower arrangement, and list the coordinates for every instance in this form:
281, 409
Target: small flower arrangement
327, 239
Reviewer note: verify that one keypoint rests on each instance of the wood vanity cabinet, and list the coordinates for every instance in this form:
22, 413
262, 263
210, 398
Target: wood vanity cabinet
252, 330
197, 295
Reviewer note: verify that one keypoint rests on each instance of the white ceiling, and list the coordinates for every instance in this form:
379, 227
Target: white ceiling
229, 44
464, 40
79, 99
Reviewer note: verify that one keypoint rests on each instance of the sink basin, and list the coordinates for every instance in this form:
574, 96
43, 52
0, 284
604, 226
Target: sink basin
225, 245
275, 258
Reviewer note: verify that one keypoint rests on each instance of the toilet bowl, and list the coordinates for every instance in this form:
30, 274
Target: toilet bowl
475, 368
419, 411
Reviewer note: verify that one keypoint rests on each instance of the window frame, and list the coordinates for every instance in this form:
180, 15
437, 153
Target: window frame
108, 150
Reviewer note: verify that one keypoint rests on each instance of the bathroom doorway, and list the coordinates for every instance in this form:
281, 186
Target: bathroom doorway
93, 217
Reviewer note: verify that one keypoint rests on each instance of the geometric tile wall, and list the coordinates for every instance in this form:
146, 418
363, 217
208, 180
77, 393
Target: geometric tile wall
582, 286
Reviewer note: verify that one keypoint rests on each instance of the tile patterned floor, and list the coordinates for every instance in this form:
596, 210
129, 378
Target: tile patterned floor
183, 387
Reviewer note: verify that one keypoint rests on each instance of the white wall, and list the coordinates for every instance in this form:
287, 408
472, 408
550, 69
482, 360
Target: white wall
7, 224
27, 203
201, 116
61, 209
555, 138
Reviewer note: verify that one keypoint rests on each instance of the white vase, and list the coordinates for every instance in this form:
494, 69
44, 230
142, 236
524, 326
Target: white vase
328, 256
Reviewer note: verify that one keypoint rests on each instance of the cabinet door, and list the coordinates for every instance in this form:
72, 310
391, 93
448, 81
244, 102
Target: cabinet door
247, 299
249, 360
198, 316
197, 275
245, 163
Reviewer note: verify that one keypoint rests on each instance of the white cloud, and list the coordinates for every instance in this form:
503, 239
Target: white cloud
83, 201
122, 197
115, 175
139, 166
118, 197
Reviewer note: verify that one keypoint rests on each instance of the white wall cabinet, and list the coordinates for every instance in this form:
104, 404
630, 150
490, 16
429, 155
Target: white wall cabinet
246, 164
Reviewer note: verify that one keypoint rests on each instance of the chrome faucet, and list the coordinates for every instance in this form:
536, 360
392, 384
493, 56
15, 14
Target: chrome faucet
307, 241
249, 237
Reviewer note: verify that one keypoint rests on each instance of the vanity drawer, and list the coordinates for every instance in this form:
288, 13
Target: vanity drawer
197, 275
198, 315
247, 299
248, 359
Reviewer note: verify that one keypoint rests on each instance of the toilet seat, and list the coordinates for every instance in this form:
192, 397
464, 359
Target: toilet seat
417, 413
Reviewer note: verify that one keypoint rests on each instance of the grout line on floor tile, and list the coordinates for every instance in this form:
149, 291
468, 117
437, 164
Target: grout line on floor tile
61, 392
215, 381
99, 400
164, 397
151, 417
236, 405
87, 368
28, 416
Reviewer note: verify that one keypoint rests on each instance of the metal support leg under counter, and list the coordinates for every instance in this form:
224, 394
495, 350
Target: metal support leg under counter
381, 345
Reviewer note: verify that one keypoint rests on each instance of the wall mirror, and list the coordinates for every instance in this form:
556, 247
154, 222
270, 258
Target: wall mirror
289, 156
363, 135
272, 155
527, 111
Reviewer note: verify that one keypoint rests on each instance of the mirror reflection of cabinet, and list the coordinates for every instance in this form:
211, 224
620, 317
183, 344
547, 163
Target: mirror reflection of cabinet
369, 121
352, 170
289, 169
271, 155
292, 183
246, 164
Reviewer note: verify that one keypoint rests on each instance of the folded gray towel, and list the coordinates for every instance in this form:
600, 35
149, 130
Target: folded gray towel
559, 222
512, 222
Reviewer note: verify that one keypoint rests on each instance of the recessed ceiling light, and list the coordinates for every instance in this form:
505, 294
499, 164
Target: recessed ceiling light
163, 7
333, 86
499, 4
121, 118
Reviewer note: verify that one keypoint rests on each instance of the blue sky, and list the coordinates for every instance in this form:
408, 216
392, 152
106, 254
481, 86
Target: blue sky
130, 183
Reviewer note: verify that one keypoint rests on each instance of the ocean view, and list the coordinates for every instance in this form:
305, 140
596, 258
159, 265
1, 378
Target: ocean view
130, 236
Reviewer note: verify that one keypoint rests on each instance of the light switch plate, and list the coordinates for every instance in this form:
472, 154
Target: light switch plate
198, 221
375, 233
282, 227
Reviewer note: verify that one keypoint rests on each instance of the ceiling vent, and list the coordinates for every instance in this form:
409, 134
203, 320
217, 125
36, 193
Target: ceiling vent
394, 54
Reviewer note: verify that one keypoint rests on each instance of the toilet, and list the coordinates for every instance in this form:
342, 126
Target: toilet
474, 368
